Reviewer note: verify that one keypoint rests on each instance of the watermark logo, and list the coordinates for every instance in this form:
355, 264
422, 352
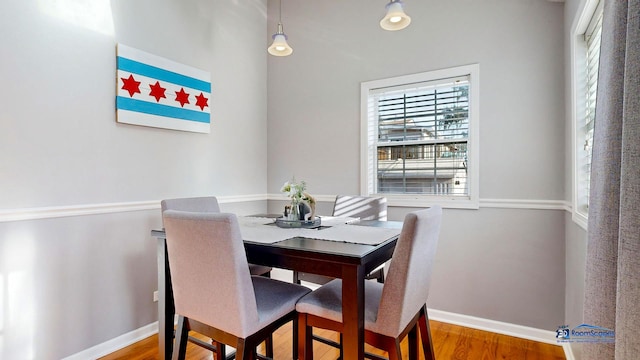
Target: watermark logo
563, 332
585, 333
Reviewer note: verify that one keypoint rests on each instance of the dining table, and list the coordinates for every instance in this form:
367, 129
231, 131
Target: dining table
345, 248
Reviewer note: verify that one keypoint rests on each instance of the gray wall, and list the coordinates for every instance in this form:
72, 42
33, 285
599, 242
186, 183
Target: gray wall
70, 283
498, 263
501, 264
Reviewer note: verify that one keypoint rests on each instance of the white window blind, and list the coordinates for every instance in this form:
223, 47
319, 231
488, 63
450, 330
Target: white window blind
422, 138
592, 38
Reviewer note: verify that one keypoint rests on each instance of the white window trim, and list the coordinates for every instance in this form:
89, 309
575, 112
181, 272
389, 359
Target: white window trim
366, 173
578, 62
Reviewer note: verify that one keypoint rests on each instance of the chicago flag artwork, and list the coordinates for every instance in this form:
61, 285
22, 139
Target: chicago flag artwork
153, 91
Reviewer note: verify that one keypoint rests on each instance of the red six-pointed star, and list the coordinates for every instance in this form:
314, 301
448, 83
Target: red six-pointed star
182, 97
201, 101
131, 85
157, 91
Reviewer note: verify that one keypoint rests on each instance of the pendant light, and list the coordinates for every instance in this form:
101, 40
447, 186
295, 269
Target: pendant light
395, 19
279, 47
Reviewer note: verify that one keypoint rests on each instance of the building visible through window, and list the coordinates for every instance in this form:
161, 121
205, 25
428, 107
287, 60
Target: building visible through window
422, 140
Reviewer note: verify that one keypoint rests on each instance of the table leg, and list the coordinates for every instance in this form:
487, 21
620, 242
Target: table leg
166, 306
353, 312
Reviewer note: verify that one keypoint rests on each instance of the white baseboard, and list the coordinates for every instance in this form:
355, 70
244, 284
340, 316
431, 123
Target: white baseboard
524, 332
499, 327
116, 344
568, 351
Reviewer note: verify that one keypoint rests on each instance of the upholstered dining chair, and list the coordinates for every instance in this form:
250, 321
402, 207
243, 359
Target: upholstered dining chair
252, 307
394, 309
362, 207
207, 204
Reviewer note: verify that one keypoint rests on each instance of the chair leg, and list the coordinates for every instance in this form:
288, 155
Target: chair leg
296, 279
305, 339
425, 335
294, 342
242, 352
394, 351
219, 354
414, 347
182, 337
268, 346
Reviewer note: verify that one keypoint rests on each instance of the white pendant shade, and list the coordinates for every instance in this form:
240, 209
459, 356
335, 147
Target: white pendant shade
395, 19
279, 47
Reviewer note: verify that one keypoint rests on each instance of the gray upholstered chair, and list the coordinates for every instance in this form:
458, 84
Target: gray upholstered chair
362, 207
252, 306
394, 309
207, 204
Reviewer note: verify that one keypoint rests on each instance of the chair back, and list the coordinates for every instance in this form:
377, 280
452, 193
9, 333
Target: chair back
194, 204
209, 271
406, 287
363, 207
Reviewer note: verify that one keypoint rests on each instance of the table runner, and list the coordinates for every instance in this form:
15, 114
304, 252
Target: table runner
263, 230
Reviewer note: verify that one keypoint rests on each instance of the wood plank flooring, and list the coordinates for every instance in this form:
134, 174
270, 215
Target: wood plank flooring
451, 342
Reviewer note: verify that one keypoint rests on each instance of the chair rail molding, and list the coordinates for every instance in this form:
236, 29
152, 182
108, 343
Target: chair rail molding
48, 212
75, 210
526, 204
484, 203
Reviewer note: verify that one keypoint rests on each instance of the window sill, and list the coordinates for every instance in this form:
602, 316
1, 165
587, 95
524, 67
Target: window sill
423, 201
580, 219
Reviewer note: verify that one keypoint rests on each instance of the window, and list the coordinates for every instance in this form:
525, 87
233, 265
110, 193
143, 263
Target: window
586, 61
419, 138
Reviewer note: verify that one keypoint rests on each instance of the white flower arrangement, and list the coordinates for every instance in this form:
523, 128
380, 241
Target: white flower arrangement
296, 191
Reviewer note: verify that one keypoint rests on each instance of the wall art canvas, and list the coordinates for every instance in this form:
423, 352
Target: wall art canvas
154, 91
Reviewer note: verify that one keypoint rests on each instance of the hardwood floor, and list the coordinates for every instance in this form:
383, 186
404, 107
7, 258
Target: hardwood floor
450, 342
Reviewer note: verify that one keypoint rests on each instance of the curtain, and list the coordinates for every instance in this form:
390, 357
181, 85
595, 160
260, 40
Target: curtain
612, 278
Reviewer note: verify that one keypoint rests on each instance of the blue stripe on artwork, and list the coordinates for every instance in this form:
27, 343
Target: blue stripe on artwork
161, 110
162, 74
